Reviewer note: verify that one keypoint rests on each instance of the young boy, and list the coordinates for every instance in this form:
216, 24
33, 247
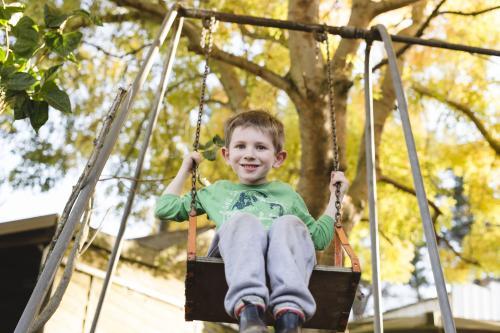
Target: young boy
262, 226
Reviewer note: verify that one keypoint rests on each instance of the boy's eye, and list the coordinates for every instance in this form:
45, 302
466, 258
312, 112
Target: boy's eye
260, 147
239, 146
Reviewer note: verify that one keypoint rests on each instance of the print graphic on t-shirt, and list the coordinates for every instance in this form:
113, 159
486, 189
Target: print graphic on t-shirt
257, 203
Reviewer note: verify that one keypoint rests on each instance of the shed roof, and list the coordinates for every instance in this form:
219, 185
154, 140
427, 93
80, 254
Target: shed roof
28, 224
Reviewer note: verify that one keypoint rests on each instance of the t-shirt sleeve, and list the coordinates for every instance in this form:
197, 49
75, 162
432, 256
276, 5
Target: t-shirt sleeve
176, 208
321, 230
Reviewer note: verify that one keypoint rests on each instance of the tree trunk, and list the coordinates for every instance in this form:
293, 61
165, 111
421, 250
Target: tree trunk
307, 75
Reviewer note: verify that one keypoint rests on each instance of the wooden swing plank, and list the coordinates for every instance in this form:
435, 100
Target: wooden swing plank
333, 289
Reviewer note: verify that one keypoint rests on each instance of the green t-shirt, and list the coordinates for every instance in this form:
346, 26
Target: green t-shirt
265, 201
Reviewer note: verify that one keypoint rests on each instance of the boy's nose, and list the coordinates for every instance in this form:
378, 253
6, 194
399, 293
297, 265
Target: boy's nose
248, 156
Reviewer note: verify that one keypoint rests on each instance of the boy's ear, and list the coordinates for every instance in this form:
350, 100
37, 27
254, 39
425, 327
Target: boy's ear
225, 153
280, 158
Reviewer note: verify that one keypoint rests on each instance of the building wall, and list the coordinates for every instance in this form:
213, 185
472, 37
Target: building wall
129, 307
468, 301
476, 302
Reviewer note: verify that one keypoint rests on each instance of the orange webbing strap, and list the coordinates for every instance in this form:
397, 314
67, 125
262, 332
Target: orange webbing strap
339, 232
337, 259
191, 245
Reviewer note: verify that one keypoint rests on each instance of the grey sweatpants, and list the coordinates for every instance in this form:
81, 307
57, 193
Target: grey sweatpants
285, 251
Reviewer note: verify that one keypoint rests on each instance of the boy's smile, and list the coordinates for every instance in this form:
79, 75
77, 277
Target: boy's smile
251, 154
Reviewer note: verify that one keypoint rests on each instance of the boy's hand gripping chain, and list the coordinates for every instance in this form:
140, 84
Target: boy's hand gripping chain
206, 44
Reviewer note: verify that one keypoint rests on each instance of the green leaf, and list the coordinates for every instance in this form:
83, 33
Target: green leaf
72, 39
6, 71
50, 74
23, 110
218, 141
63, 44
6, 13
19, 81
19, 101
56, 98
207, 145
210, 154
24, 24
25, 47
53, 17
26, 33
85, 14
39, 114
19, 114
82, 13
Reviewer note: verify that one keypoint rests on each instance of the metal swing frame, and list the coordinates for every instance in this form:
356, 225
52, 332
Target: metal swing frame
176, 12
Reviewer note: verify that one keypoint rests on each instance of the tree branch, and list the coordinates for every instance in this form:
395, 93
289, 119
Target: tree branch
193, 35
139, 180
281, 40
388, 5
419, 33
479, 12
157, 9
131, 52
494, 144
217, 101
80, 22
407, 189
456, 253
437, 212
117, 18
230, 80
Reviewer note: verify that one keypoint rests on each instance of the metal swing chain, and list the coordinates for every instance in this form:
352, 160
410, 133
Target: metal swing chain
206, 44
333, 123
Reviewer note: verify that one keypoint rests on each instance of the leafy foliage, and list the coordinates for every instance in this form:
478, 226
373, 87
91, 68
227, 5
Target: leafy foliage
30, 86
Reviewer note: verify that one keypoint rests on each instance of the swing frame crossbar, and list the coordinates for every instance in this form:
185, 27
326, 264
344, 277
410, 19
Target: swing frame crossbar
176, 13
342, 31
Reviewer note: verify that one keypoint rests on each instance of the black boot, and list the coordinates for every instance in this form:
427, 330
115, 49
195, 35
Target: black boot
252, 319
288, 322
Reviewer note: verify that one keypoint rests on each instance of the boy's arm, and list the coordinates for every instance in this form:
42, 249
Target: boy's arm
170, 205
176, 185
321, 230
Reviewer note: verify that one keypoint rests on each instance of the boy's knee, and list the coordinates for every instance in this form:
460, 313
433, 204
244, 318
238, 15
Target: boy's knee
242, 220
243, 217
287, 222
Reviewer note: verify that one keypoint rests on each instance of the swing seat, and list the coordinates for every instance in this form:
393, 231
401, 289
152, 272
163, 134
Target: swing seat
333, 287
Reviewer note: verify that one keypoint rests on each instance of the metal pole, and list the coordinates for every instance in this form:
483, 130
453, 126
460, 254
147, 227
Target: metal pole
344, 32
54, 260
372, 191
430, 236
153, 117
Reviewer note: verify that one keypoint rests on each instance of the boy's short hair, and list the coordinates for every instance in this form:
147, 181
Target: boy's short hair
259, 119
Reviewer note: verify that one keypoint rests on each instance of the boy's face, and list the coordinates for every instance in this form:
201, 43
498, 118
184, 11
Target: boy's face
252, 155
